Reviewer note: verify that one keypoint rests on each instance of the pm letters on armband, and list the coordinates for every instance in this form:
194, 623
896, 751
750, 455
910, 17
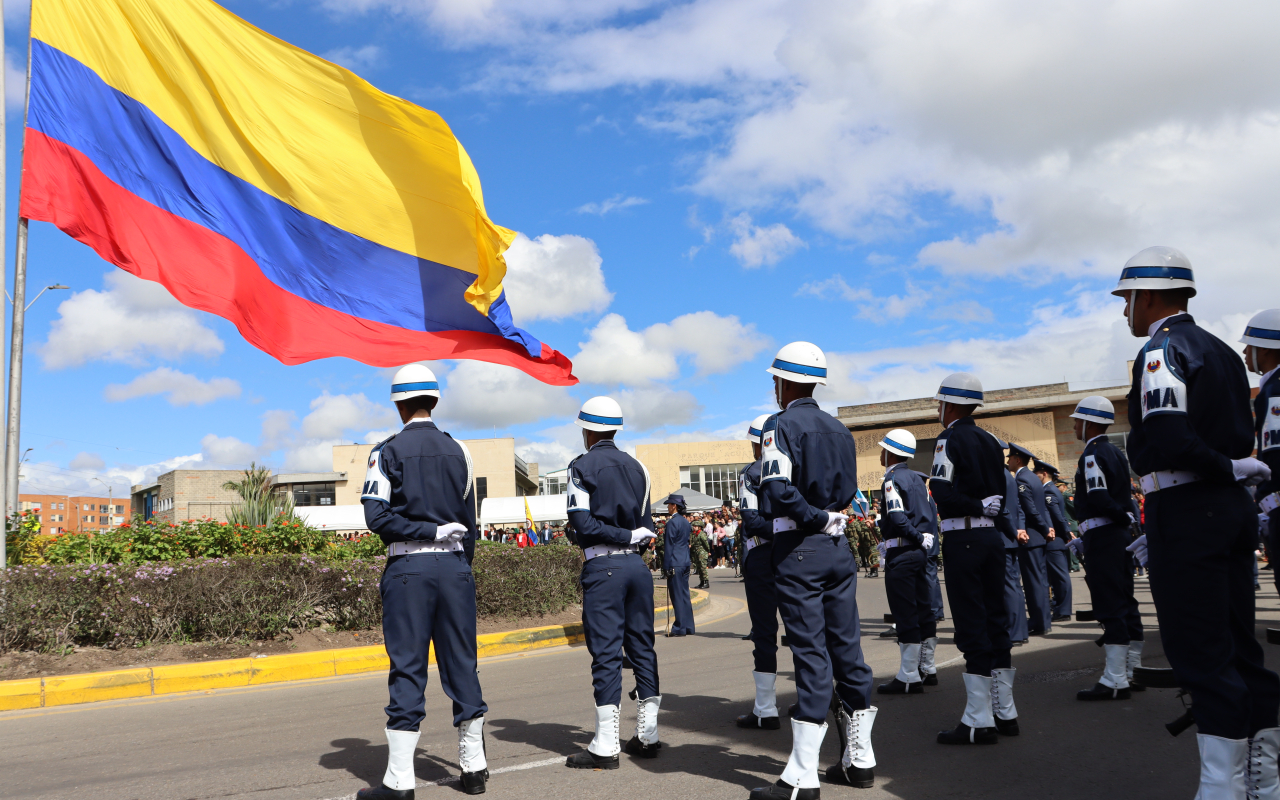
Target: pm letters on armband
1162, 391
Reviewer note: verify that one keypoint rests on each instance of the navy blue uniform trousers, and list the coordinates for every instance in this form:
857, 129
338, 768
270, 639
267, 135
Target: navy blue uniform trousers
430, 598
1014, 600
1273, 546
762, 605
975, 588
617, 615
817, 588
1200, 543
1058, 563
909, 594
1109, 576
681, 605
1035, 584
935, 590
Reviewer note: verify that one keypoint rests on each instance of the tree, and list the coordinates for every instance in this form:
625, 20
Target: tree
260, 503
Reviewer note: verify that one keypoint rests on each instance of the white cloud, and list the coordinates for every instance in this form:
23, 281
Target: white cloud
227, 451
553, 277
90, 462
755, 246
356, 59
652, 407
616, 354
615, 203
896, 306
480, 396
334, 414
15, 83
131, 321
182, 389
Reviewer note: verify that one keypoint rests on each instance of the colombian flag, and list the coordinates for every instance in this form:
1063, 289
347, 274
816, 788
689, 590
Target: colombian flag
266, 185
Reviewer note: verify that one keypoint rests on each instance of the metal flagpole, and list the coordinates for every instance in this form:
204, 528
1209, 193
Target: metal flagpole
19, 312
4, 505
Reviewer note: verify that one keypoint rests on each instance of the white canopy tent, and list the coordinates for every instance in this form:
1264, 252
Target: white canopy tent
333, 518
693, 501
510, 510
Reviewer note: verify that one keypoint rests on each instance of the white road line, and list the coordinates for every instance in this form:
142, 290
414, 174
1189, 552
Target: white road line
546, 762
949, 662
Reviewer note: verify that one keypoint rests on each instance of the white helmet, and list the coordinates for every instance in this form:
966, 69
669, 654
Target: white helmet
800, 362
414, 380
757, 425
960, 388
600, 414
899, 442
1095, 409
1263, 330
1156, 267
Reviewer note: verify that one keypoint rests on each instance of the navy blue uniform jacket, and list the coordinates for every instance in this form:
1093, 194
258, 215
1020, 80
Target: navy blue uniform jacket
608, 497
1102, 483
907, 510
1012, 512
1031, 498
809, 466
1056, 505
753, 524
1266, 413
968, 466
675, 543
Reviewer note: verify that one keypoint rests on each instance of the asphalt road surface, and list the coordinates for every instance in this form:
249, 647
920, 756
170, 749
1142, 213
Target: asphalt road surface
323, 740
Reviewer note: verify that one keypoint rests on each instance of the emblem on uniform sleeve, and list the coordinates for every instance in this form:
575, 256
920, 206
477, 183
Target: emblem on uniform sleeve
1271, 427
1153, 366
768, 440
376, 486
1163, 392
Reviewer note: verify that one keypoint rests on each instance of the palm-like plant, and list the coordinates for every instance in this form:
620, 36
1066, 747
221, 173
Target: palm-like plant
259, 504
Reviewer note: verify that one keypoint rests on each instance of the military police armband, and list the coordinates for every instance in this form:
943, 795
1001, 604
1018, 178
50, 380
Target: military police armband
747, 496
942, 468
579, 498
1163, 392
1270, 437
892, 500
1093, 476
376, 485
775, 464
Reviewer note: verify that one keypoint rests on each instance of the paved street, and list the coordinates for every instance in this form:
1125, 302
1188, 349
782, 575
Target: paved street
323, 739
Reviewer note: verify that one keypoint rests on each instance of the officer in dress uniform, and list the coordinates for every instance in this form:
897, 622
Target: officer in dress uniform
608, 504
1031, 555
908, 536
762, 603
1191, 441
1012, 534
969, 487
1104, 502
1057, 561
417, 498
935, 590
808, 472
675, 565
1262, 355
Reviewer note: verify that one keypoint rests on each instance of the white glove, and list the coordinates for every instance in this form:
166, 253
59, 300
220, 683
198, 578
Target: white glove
835, 523
450, 532
1250, 471
991, 505
1263, 521
642, 535
1139, 549
1132, 519
928, 541
884, 551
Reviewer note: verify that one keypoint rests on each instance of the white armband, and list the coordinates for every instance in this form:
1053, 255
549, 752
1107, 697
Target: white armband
1163, 392
376, 485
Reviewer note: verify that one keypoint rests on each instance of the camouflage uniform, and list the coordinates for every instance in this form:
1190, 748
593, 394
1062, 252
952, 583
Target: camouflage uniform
699, 551
653, 555
863, 540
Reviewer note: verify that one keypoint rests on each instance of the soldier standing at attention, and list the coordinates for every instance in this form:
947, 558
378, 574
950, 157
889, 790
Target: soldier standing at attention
762, 602
1057, 560
608, 504
417, 498
675, 565
1262, 355
1191, 438
1105, 503
1031, 553
969, 487
864, 540
1013, 535
808, 471
700, 549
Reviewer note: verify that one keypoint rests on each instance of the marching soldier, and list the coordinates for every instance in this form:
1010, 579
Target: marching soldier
417, 498
1191, 441
1031, 553
608, 504
1262, 355
1057, 560
675, 565
1107, 513
969, 487
907, 527
864, 534
762, 603
808, 471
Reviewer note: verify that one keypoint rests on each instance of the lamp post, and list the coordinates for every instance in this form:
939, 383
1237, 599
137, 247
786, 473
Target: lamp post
111, 508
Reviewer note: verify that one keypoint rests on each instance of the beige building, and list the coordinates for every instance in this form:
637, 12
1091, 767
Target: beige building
708, 467
499, 471
185, 494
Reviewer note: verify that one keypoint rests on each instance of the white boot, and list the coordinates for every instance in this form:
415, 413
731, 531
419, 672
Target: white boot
606, 742
802, 767
400, 748
1222, 767
909, 663
1115, 673
857, 735
927, 649
766, 695
1262, 779
471, 746
1133, 659
647, 719
978, 711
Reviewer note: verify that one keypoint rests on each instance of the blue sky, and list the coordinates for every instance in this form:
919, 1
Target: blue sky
915, 188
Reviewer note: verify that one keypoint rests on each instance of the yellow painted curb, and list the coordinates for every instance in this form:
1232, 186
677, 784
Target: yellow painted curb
92, 687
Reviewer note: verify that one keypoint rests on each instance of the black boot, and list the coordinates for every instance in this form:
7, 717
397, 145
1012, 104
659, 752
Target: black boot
896, 686
1103, 692
473, 782
589, 760
930, 679
875, 571
1007, 727
784, 791
963, 734
765, 723
857, 777
383, 793
635, 747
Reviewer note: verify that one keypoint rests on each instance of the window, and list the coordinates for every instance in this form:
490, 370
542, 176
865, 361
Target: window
718, 480
313, 494
28, 505
553, 484
62, 506
482, 490
119, 509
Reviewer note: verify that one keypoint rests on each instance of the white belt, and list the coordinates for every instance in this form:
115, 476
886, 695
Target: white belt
595, 551
783, 524
413, 548
1269, 503
889, 544
964, 523
751, 543
1096, 522
1167, 479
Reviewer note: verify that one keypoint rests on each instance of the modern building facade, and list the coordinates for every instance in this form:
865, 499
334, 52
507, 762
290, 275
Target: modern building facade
60, 513
708, 467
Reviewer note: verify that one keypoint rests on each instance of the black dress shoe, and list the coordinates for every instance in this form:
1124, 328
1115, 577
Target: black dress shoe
930, 678
589, 760
764, 723
791, 710
896, 686
1007, 727
784, 791
383, 793
1103, 692
963, 734
746, 638
1134, 686
473, 782
635, 747
1061, 618
1040, 632
857, 777
891, 633
1018, 643
675, 633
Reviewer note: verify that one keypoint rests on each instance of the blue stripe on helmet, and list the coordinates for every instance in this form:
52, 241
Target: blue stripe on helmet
431, 386
1097, 412
1262, 333
901, 447
1175, 273
971, 394
801, 369
585, 417
754, 432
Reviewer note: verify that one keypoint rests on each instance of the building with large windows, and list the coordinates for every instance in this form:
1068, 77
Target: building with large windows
59, 513
708, 467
